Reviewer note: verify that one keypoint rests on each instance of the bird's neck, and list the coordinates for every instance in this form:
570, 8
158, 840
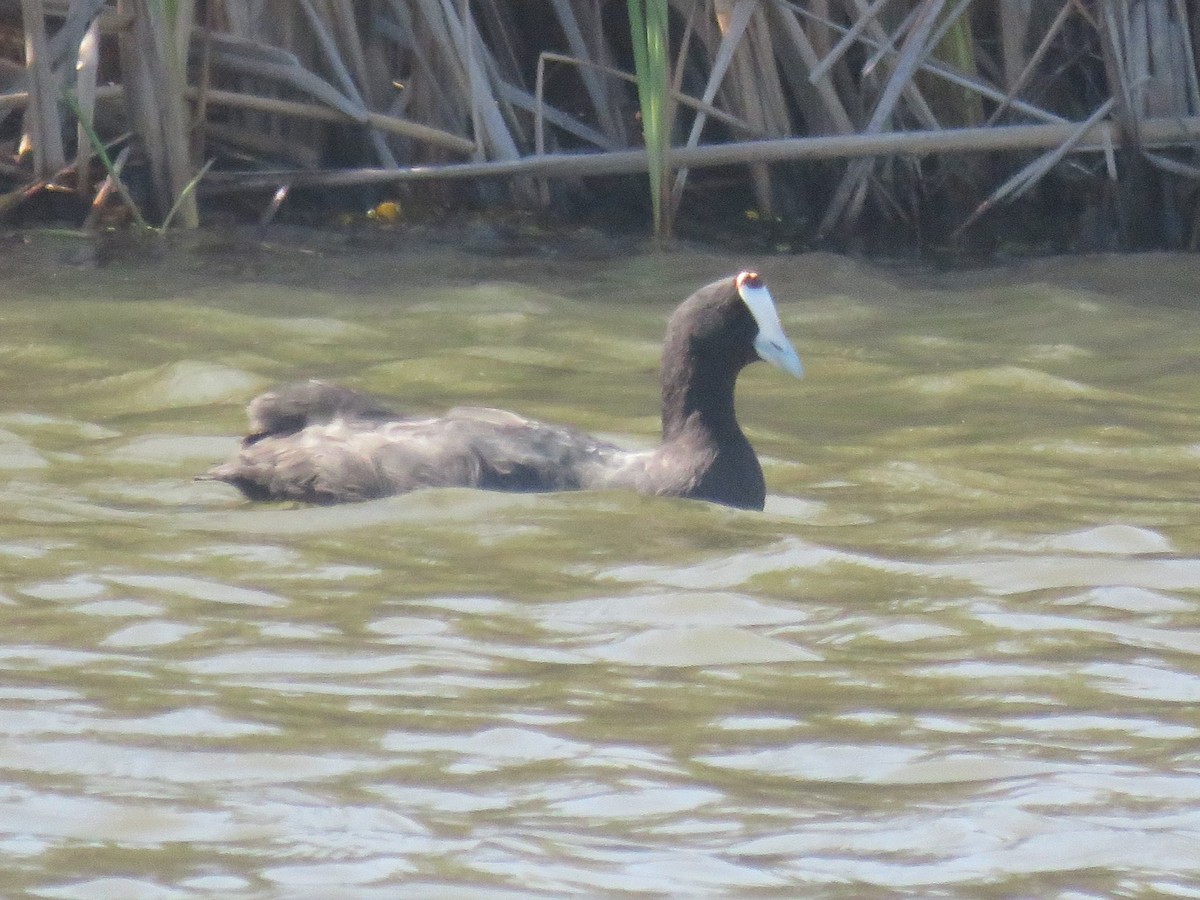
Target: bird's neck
694, 396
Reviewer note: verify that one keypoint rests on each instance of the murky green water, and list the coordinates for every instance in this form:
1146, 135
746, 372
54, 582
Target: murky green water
959, 655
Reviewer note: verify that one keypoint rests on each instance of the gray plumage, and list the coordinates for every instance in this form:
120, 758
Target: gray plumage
322, 443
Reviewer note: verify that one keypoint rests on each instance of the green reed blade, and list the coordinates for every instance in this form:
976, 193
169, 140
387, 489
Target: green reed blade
648, 23
105, 160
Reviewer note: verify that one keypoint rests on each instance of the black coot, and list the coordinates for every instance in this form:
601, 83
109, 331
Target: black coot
322, 443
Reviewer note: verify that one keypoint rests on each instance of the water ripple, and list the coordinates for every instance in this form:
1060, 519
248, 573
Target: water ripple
956, 655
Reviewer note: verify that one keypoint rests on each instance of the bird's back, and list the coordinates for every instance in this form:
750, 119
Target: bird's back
351, 458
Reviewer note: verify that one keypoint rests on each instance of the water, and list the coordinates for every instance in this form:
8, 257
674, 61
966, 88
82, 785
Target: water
956, 656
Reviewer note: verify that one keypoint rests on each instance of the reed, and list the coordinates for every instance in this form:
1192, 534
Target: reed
153, 51
648, 29
486, 100
43, 132
113, 170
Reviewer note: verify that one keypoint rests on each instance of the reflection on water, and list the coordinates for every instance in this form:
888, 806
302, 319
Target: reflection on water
956, 656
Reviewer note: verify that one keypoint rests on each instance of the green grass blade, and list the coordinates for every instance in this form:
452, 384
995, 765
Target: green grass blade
648, 23
105, 160
186, 192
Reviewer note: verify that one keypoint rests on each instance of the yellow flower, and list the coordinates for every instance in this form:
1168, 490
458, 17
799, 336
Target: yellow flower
387, 211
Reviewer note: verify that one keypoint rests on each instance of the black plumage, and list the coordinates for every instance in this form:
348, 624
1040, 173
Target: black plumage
322, 443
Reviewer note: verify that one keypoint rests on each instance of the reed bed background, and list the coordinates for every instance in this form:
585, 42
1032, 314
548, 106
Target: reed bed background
863, 123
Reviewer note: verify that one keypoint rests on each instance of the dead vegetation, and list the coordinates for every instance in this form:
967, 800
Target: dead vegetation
817, 122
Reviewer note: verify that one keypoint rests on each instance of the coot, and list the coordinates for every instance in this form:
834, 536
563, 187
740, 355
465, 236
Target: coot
321, 443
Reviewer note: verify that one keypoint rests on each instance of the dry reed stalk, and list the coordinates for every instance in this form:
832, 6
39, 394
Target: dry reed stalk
241, 18
349, 41
1025, 179
1158, 41
952, 43
262, 143
848, 198
426, 93
330, 52
1013, 20
256, 31
742, 70
755, 90
315, 112
78, 15
821, 38
677, 96
1190, 15
1154, 133
434, 87
939, 69
1114, 39
272, 209
334, 59
1187, 57
494, 22
1173, 166
246, 58
732, 24
111, 184
887, 56
21, 99
1018, 83
435, 80
503, 70
12, 199
177, 124
61, 48
531, 103
431, 32
252, 45
604, 105
43, 127
847, 40
203, 79
153, 55
490, 116
799, 58
703, 108
374, 91
1127, 72
85, 96
887, 39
